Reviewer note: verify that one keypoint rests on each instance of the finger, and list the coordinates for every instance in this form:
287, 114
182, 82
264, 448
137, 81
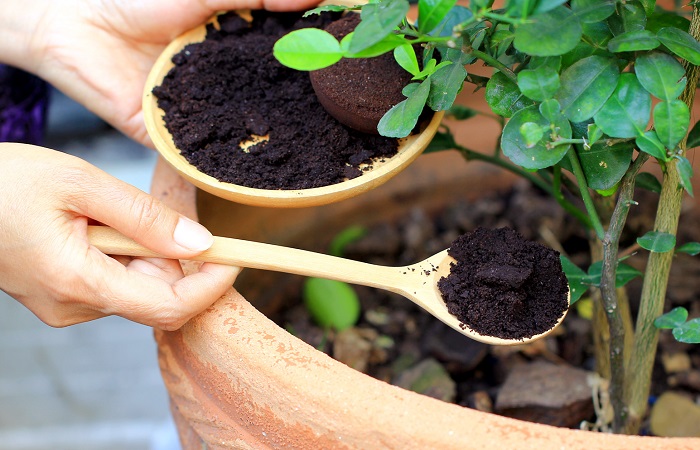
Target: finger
148, 296
271, 5
168, 270
137, 215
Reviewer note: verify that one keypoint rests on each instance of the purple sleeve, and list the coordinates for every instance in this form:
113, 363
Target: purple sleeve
24, 100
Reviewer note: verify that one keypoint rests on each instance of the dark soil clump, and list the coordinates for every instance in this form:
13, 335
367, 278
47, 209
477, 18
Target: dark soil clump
359, 91
504, 286
229, 89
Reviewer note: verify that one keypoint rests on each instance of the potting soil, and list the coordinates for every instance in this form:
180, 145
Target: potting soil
229, 89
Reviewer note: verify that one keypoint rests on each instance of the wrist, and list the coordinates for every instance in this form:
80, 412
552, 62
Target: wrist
21, 31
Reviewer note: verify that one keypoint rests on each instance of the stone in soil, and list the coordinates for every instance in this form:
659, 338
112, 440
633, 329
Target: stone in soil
546, 393
504, 286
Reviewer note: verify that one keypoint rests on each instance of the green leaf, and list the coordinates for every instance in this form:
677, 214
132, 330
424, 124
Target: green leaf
445, 84
671, 121
680, 43
657, 241
624, 274
455, 16
582, 50
685, 171
662, 19
461, 112
400, 120
650, 143
537, 62
691, 248
378, 20
543, 6
443, 140
539, 84
504, 97
594, 133
632, 17
598, 35
693, 137
626, 113
386, 45
406, 57
591, 11
586, 86
538, 156
332, 304
430, 68
576, 277
633, 41
345, 237
532, 133
672, 319
551, 110
328, 8
661, 74
604, 166
647, 181
307, 49
501, 41
432, 12
689, 332
649, 6
553, 33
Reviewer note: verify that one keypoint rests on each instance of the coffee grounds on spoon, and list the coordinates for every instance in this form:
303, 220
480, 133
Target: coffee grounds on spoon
504, 286
229, 89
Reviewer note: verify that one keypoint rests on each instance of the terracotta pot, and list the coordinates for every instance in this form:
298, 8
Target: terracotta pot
237, 380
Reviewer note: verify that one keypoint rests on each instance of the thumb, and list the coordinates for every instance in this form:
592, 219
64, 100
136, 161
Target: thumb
141, 217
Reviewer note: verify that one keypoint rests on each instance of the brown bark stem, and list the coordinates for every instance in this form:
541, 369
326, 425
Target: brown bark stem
656, 275
608, 288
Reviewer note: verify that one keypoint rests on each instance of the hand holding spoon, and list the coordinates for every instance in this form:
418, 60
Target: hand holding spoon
417, 282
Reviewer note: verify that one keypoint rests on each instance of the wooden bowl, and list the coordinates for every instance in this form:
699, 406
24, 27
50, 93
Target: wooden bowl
380, 172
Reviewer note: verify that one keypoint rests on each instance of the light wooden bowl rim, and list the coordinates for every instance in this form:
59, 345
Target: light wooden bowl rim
409, 149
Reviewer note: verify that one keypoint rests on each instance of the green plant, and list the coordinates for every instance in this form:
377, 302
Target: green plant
586, 92
334, 304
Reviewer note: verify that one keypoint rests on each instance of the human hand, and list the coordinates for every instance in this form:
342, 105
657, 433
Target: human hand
47, 263
100, 53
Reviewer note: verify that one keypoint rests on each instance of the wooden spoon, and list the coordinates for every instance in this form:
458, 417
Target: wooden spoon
417, 282
379, 172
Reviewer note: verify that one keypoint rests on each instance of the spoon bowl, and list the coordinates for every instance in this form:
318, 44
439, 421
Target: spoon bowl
379, 172
417, 282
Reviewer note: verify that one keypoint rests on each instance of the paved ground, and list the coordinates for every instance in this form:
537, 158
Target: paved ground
92, 386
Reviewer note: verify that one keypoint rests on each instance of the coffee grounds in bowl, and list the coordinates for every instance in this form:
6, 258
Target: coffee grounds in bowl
229, 89
503, 285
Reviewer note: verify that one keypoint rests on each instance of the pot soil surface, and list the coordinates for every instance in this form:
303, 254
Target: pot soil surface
229, 92
397, 342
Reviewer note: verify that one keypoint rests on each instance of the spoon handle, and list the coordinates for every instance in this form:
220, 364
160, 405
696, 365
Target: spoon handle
258, 255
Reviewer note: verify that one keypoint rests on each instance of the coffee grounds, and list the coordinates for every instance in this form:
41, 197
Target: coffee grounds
229, 89
504, 286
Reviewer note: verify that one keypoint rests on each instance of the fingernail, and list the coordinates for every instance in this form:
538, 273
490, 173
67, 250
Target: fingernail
192, 236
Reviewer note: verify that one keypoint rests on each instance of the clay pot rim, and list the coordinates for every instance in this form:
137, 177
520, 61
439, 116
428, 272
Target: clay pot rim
272, 370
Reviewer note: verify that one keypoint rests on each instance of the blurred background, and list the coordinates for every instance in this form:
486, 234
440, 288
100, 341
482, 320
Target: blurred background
92, 386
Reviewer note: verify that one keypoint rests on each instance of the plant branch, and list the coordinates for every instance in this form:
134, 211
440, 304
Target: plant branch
585, 195
608, 289
493, 62
657, 271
